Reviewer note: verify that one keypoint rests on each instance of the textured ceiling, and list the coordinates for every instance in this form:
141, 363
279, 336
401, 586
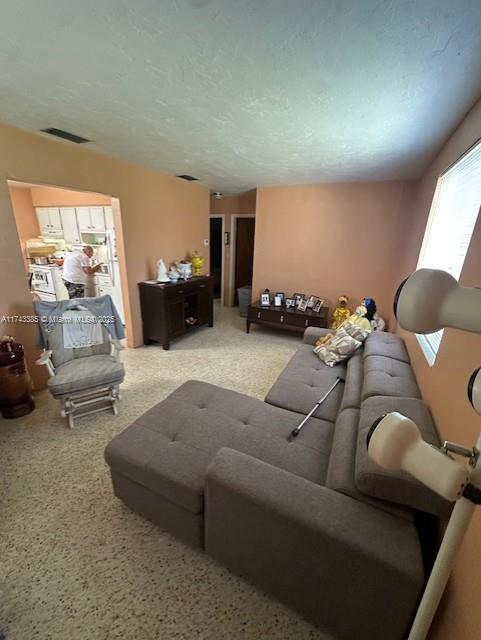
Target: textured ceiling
242, 93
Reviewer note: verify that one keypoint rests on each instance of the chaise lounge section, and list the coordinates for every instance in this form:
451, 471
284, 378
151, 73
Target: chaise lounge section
311, 520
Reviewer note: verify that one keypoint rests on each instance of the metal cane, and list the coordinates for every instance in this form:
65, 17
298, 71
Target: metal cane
295, 432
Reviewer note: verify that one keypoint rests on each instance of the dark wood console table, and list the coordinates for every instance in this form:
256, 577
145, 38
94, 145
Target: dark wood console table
167, 307
283, 318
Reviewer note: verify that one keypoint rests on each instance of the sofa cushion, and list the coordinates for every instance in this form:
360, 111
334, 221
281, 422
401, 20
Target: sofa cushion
82, 374
169, 448
384, 376
304, 380
351, 398
396, 486
381, 343
340, 472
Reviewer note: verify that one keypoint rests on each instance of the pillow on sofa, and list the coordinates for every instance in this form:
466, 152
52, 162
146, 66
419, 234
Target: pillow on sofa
333, 349
396, 486
338, 348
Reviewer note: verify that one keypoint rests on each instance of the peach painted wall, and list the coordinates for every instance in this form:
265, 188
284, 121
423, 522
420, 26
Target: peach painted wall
331, 239
444, 386
162, 216
55, 197
25, 216
228, 206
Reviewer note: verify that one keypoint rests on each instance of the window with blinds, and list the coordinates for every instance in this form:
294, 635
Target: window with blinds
454, 211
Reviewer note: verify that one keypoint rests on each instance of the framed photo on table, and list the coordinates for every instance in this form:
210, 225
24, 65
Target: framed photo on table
290, 303
302, 306
319, 305
265, 299
298, 297
279, 299
312, 301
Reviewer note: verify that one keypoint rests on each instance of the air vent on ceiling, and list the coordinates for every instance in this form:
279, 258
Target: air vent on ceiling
189, 178
60, 133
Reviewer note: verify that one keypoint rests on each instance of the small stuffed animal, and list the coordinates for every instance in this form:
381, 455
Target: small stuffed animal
360, 318
377, 323
341, 312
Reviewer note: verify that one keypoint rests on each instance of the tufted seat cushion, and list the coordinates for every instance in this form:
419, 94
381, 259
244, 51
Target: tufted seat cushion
86, 373
380, 343
169, 448
304, 381
385, 376
395, 486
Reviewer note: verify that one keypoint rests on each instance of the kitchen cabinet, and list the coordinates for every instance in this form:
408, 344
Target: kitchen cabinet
103, 285
109, 219
91, 219
172, 309
98, 219
49, 221
71, 233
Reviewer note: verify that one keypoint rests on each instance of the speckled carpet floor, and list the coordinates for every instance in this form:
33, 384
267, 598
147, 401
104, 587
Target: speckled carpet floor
75, 564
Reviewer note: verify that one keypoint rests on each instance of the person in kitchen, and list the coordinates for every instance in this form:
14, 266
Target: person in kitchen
76, 268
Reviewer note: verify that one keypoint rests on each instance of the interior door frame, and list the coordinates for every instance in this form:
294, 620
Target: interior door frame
233, 231
222, 274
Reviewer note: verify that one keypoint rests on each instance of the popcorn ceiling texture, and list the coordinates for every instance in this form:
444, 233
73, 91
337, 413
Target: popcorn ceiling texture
77, 564
246, 93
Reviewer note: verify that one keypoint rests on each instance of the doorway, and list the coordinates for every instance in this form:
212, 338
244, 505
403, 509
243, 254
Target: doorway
243, 231
53, 222
217, 254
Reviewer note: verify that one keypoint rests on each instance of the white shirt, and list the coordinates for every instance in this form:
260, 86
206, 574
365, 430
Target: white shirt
73, 267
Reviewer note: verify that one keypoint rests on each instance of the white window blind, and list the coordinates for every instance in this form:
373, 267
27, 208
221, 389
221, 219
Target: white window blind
454, 212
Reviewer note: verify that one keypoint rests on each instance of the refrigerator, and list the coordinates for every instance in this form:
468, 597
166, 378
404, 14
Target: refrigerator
114, 272
107, 280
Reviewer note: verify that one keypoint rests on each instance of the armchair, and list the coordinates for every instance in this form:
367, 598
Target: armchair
85, 379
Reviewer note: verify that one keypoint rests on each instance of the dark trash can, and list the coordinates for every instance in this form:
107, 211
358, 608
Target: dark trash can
245, 295
15, 389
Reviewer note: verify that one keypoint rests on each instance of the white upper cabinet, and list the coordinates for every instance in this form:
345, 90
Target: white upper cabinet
49, 221
83, 219
71, 231
91, 219
109, 219
43, 219
98, 219
55, 220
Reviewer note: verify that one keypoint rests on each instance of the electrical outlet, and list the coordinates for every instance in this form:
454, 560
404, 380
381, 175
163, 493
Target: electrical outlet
206, 243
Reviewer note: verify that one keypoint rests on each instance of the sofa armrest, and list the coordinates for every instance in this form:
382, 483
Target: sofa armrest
312, 334
116, 348
350, 568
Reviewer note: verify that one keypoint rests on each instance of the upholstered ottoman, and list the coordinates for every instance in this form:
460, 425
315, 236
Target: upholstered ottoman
159, 463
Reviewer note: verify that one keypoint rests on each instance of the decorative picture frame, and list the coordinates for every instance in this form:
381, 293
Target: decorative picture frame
290, 303
319, 305
302, 306
282, 295
265, 300
312, 301
278, 299
298, 297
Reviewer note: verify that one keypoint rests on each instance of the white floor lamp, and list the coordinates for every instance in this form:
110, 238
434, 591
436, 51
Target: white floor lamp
426, 302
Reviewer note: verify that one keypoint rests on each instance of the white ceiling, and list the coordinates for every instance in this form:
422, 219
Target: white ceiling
242, 93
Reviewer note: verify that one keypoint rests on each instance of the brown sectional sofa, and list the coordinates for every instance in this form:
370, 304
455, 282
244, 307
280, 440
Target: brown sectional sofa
311, 519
